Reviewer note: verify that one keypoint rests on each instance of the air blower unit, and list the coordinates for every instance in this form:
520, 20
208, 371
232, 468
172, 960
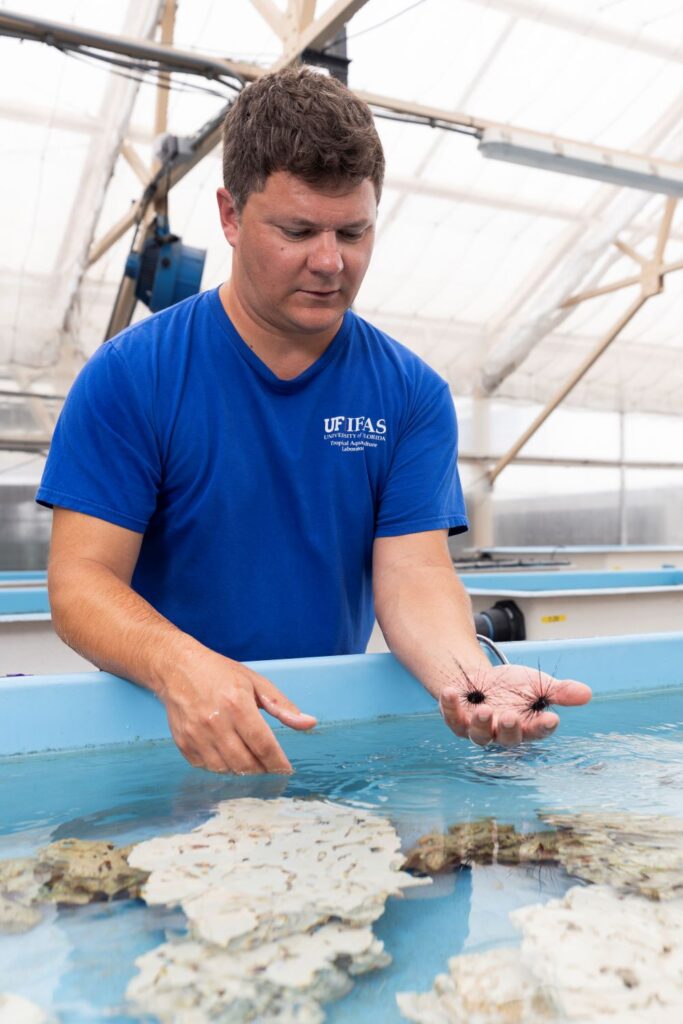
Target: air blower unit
165, 271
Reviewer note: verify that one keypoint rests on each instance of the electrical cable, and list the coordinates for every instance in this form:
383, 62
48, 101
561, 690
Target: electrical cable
146, 72
371, 28
189, 87
427, 122
232, 81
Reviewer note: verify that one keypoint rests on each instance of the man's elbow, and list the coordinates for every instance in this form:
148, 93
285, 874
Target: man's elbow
58, 592
67, 586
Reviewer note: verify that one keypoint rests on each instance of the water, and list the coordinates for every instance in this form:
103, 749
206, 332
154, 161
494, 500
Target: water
624, 753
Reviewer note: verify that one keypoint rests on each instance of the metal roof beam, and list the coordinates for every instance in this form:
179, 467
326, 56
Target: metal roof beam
52, 32
315, 36
651, 284
580, 259
318, 32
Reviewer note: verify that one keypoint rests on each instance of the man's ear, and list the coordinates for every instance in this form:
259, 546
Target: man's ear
228, 214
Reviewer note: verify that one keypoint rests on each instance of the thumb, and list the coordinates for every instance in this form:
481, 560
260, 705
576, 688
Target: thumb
276, 704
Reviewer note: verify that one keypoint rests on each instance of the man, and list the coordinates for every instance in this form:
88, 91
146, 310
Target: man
237, 476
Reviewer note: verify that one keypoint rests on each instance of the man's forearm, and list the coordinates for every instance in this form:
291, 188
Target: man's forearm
426, 617
102, 618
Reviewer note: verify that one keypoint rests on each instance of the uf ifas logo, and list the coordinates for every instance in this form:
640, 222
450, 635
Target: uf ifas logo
354, 425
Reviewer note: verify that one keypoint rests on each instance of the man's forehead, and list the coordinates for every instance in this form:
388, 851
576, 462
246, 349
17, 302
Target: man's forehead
302, 201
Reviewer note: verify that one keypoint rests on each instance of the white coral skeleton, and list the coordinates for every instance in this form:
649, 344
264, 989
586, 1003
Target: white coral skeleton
596, 956
279, 896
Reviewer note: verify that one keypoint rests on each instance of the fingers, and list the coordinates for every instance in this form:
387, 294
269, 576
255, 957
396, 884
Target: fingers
478, 725
570, 693
541, 726
232, 758
508, 716
230, 754
454, 712
509, 732
237, 742
280, 707
483, 726
481, 730
260, 740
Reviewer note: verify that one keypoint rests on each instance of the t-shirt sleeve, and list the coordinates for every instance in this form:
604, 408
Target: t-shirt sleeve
104, 458
423, 491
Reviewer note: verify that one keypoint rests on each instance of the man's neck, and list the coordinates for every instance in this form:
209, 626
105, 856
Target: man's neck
286, 355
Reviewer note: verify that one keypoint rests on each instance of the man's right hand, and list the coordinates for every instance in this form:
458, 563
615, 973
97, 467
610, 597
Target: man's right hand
212, 702
213, 711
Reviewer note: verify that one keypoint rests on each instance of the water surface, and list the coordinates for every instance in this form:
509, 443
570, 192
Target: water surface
621, 753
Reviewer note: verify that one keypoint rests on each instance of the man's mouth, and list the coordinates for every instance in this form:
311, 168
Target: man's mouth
320, 294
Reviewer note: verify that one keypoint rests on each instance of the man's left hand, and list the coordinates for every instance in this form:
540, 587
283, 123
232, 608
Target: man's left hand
507, 704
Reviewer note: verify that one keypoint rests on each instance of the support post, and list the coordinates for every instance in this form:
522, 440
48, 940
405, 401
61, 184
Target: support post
480, 495
560, 395
623, 523
651, 281
162, 98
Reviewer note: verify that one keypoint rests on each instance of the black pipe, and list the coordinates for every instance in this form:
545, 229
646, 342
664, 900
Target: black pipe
504, 621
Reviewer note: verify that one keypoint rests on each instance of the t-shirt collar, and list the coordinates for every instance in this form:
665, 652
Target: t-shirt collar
332, 351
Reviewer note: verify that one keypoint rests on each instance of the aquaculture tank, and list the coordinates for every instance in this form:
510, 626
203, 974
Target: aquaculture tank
566, 605
28, 642
88, 758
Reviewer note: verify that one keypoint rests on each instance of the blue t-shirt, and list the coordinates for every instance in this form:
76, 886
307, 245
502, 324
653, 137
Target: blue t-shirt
259, 498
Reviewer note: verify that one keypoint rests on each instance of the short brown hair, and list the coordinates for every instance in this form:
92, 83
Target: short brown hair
303, 122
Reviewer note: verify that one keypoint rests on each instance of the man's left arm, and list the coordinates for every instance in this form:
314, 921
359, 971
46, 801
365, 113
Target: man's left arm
426, 617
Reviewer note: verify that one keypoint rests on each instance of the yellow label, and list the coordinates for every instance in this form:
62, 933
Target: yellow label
553, 618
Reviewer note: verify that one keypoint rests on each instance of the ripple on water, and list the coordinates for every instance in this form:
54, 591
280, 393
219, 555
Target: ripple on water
611, 770
425, 773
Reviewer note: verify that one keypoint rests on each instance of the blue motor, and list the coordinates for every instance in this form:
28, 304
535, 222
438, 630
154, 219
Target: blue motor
165, 271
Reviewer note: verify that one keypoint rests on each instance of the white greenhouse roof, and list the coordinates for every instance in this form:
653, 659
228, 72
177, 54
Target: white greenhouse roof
474, 257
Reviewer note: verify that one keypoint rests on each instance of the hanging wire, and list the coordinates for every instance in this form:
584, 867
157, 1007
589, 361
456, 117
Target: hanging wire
371, 28
147, 72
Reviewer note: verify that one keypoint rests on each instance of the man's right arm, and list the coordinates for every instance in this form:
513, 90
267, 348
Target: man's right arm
212, 702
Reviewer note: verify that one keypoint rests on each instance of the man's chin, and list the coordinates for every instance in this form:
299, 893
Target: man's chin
317, 321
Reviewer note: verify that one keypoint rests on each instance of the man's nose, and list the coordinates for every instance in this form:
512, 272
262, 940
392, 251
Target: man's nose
325, 257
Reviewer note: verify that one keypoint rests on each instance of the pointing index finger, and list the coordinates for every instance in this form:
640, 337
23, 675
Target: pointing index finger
287, 713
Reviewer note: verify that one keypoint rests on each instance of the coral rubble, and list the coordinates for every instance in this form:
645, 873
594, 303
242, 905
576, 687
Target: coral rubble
82, 871
21, 885
485, 841
633, 852
279, 896
70, 871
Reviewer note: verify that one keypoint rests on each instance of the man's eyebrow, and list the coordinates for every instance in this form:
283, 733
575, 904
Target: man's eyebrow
303, 222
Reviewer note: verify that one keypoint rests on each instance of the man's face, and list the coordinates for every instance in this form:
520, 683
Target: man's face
300, 254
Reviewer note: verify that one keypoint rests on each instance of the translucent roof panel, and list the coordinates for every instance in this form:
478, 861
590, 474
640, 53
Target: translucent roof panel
474, 257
